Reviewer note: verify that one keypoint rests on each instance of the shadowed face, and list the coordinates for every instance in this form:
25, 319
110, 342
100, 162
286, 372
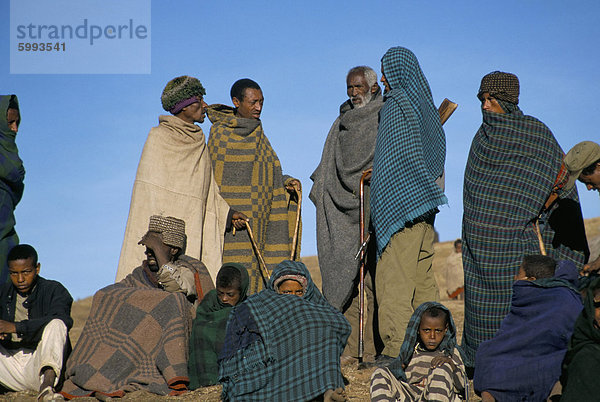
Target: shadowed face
23, 273
490, 103
250, 107
592, 181
291, 287
432, 331
229, 295
12, 119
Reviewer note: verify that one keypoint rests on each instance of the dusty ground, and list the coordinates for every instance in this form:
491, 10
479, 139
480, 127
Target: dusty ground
358, 386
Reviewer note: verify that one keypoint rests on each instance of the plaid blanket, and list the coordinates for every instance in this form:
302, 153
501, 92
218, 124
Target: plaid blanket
136, 338
410, 150
12, 174
248, 173
295, 353
512, 166
208, 333
519, 364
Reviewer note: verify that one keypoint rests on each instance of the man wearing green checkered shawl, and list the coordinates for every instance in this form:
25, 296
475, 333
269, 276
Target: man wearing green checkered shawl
12, 174
513, 165
405, 194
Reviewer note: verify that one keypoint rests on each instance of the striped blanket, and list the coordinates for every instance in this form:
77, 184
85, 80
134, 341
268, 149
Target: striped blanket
512, 166
136, 338
281, 347
248, 173
12, 174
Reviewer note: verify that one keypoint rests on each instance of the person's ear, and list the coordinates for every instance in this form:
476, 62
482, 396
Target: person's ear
374, 88
37, 268
236, 102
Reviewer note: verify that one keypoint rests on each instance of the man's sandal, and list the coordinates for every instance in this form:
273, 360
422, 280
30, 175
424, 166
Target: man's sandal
48, 394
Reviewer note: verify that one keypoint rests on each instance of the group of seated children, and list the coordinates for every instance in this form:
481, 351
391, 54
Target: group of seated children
283, 343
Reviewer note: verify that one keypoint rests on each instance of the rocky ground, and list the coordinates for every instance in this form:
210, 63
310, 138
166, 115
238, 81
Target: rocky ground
358, 380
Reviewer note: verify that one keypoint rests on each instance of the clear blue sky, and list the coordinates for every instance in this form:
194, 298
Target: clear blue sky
81, 135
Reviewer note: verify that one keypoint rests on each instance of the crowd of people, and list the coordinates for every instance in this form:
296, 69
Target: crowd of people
210, 290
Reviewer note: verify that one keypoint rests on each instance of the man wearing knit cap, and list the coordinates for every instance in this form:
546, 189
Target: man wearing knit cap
250, 177
583, 164
513, 167
175, 177
137, 332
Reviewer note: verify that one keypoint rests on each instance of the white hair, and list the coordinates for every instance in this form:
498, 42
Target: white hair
367, 72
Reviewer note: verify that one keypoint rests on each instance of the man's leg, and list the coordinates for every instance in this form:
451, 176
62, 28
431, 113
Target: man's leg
46, 364
12, 368
426, 288
395, 282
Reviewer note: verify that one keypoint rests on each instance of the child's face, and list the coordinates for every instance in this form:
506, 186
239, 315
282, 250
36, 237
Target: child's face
432, 331
291, 287
23, 273
228, 295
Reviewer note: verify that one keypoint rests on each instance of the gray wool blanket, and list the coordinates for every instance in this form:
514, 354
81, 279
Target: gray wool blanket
348, 151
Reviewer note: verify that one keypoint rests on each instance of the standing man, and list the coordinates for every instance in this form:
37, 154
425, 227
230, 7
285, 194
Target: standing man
348, 151
405, 195
513, 166
249, 176
175, 177
12, 174
583, 164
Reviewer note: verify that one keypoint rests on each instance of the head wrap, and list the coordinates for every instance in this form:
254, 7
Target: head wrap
181, 92
172, 230
503, 86
578, 158
290, 277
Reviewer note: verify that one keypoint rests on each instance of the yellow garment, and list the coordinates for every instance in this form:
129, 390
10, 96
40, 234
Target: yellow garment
175, 178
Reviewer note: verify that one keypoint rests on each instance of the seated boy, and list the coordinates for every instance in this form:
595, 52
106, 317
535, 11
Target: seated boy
284, 346
523, 360
208, 328
580, 368
34, 324
429, 367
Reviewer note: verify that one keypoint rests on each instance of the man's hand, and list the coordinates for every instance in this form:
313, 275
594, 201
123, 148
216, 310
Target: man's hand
368, 173
591, 267
439, 361
154, 242
238, 220
293, 186
6, 328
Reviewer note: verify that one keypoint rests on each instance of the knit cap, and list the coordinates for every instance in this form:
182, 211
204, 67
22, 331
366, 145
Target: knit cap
172, 230
503, 86
181, 92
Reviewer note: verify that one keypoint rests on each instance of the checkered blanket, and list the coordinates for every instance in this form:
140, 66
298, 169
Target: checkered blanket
12, 174
248, 173
512, 166
410, 150
295, 352
136, 338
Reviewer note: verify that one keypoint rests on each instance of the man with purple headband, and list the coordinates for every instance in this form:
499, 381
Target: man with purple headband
175, 177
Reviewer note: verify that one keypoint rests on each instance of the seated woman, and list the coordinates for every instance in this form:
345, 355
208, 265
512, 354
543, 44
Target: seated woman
284, 343
208, 328
580, 367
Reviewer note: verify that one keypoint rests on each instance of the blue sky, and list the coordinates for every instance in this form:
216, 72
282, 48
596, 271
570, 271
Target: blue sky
82, 134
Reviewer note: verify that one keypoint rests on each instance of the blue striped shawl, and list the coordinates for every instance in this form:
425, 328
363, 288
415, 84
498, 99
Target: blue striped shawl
410, 150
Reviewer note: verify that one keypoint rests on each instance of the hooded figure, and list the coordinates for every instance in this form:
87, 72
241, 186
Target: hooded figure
12, 174
405, 194
282, 347
208, 332
513, 166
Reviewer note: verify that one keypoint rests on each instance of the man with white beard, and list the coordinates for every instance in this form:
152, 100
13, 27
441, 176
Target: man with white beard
348, 151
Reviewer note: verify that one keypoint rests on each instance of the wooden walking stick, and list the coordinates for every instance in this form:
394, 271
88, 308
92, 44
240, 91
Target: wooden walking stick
447, 107
297, 228
261, 262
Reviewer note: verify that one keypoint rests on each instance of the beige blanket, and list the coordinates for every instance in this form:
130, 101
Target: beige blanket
175, 178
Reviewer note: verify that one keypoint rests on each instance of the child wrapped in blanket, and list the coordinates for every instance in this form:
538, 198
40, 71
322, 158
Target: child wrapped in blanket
429, 367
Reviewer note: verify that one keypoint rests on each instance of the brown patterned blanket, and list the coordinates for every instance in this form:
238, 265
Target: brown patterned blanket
136, 337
